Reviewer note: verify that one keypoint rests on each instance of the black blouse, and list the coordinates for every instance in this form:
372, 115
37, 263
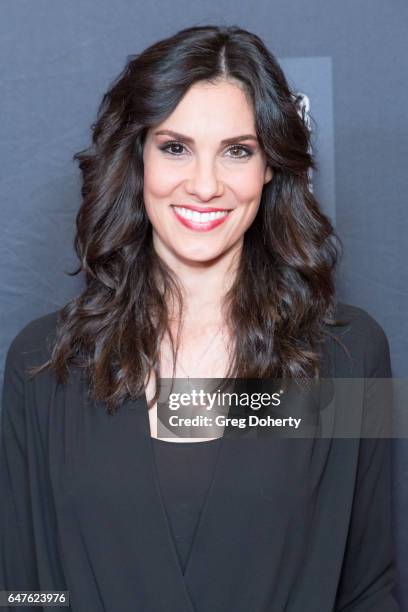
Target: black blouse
286, 525
185, 472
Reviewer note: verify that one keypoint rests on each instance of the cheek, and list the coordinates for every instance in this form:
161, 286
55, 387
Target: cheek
159, 177
248, 186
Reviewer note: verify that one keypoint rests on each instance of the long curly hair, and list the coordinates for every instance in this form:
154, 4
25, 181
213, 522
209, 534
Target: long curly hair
282, 299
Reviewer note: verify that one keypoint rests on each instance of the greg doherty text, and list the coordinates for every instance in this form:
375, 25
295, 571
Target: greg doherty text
242, 422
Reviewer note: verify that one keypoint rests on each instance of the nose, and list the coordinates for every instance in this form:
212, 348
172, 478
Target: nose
204, 182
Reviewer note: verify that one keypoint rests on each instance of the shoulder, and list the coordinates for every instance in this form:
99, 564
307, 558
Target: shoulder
36, 337
25, 400
31, 346
364, 338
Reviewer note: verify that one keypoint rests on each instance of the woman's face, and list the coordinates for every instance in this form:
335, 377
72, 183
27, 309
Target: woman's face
204, 171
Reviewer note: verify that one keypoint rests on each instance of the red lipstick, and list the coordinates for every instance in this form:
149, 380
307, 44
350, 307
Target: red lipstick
201, 226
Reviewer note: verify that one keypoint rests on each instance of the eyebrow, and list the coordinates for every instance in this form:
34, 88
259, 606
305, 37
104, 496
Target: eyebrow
191, 140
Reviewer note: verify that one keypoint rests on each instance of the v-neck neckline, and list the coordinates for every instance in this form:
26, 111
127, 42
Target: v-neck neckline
160, 498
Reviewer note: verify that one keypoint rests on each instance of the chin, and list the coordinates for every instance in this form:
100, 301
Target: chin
198, 257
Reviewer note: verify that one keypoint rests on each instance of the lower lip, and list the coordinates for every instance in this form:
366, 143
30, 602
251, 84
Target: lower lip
203, 226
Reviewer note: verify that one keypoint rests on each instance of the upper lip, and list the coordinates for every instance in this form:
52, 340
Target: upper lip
200, 209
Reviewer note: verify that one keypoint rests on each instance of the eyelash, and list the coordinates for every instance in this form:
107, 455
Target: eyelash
247, 150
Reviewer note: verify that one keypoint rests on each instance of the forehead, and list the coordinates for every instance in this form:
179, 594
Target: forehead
208, 110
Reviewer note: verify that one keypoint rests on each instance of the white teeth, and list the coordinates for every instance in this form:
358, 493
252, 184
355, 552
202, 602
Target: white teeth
198, 217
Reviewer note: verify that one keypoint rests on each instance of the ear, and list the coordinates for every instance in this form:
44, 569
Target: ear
268, 174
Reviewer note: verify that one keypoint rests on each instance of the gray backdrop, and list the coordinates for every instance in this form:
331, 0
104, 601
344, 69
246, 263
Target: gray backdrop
349, 58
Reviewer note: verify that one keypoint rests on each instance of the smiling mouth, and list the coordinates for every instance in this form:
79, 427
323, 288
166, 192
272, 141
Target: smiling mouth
198, 217
200, 221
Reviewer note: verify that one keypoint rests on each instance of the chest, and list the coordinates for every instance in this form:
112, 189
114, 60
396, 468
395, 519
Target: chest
267, 498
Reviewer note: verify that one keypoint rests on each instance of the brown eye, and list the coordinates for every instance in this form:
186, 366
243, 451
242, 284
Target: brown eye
241, 149
169, 147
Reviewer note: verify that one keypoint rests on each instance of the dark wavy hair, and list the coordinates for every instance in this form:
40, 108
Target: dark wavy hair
282, 299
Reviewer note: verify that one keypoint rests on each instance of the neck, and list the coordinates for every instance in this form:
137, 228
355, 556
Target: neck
205, 284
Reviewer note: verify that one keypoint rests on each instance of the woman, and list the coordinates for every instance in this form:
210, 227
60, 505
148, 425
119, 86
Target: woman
206, 256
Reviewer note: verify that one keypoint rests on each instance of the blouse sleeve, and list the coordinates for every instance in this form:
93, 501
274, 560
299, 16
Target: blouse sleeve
18, 569
368, 572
